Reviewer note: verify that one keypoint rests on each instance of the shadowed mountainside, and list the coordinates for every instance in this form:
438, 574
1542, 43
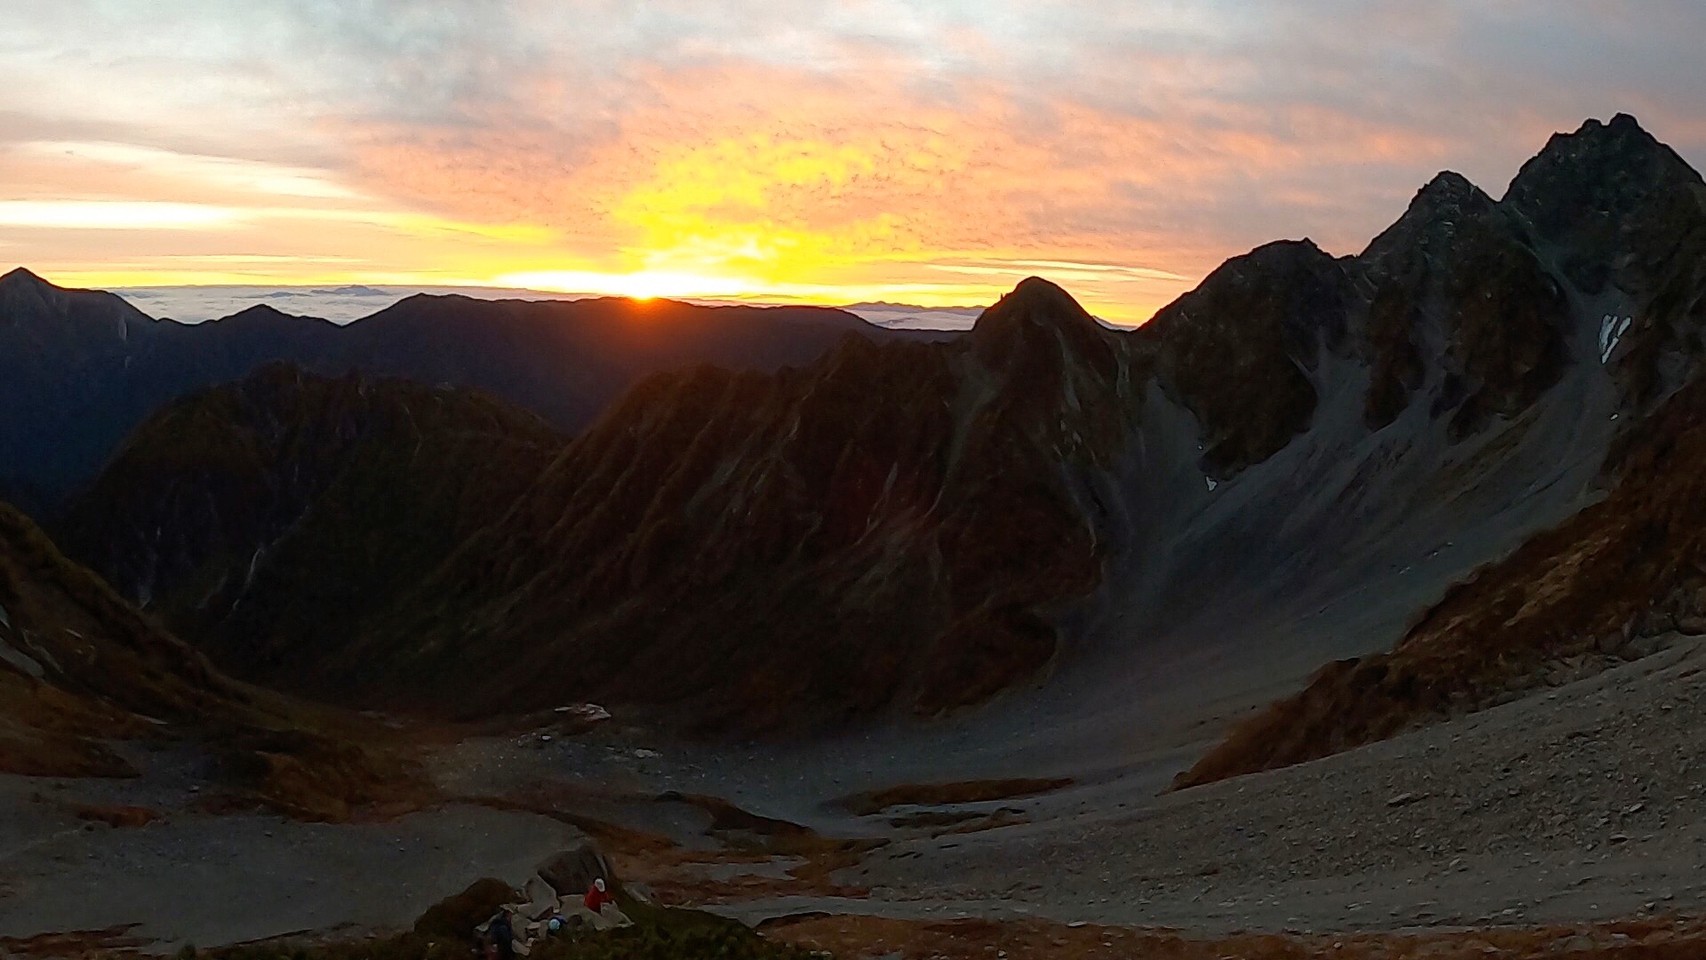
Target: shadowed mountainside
80, 369
1593, 589
1582, 596
285, 506
889, 522
78, 664
82, 672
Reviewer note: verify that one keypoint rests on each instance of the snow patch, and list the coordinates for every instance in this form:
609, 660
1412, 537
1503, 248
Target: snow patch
5, 621
1611, 331
1211, 483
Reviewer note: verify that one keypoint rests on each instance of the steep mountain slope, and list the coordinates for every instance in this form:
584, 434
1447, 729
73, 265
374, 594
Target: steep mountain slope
1625, 219
1581, 596
80, 369
884, 526
1239, 350
1456, 287
287, 506
79, 665
1627, 222
82, 672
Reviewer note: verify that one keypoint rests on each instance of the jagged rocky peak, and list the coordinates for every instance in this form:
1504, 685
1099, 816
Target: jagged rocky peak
1292, 288
20, 287
1270, 262
1034, 300
1442, 207
1034, 303
258, 310
1460, 264
1238, 348
1038, 318
41, 309
1608, 168
1606, 193
1449, 191
261, 314
1286, 256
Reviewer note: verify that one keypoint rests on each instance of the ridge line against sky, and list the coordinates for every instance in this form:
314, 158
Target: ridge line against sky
345, 304
928, 153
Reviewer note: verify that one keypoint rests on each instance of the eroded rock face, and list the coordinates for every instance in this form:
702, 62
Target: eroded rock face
1602, 238
1628, 567
1612, 200
1625, 219
1238, 350
880, 529
1461, 307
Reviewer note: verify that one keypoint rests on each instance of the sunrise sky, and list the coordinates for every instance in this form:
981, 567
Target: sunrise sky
929, 153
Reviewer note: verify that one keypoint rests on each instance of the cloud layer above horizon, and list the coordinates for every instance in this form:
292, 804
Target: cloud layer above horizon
861, 150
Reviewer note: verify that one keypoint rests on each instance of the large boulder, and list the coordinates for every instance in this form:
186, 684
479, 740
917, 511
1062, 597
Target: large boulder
572, 871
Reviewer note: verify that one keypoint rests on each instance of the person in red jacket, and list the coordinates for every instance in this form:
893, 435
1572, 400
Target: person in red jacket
597, 896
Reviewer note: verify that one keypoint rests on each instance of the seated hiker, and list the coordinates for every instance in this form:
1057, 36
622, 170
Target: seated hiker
597, 896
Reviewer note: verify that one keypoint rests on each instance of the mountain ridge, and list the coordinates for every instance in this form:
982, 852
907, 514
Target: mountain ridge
1023, 512
80, 369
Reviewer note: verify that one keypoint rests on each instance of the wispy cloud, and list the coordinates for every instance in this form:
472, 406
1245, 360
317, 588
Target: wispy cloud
862, 149
112, 215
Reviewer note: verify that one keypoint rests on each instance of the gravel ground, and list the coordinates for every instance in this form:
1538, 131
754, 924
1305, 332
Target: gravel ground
211, 879
1584, 802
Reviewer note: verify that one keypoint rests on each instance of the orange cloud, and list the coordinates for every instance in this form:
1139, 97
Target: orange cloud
798, 183
858, 150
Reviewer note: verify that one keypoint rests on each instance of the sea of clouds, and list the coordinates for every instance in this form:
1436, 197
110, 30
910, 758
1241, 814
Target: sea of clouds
343, 304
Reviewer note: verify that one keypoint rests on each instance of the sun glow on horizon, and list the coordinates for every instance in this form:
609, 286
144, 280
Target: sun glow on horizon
808, 200
638, 285
789, 211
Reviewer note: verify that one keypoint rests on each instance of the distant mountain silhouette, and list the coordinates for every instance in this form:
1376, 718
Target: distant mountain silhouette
80, 369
